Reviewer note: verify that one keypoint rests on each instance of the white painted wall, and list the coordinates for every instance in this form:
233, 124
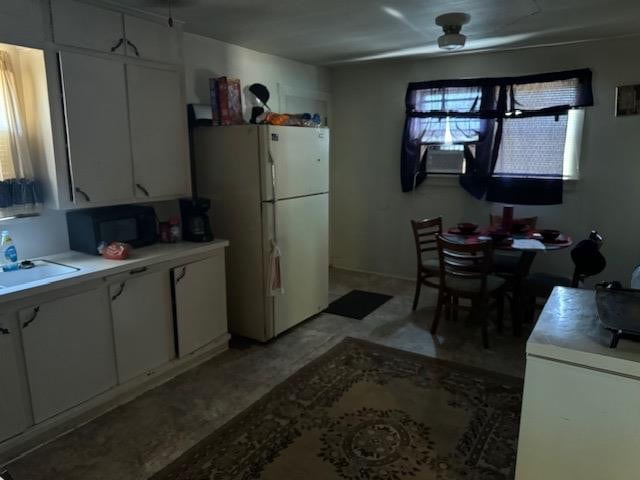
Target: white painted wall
206, 58
371, 214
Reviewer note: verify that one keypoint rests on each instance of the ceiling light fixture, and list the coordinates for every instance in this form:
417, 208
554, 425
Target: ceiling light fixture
451, 24
393, 12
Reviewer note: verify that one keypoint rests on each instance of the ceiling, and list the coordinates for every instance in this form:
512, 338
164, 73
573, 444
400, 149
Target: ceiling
336, 31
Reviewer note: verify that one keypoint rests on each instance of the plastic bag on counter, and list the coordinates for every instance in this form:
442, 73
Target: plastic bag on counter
115, 250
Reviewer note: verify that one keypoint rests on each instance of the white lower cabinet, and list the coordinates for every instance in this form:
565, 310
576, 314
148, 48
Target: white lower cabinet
15, 412
68, 348
578, 422
200, 303
142, 323
67, 352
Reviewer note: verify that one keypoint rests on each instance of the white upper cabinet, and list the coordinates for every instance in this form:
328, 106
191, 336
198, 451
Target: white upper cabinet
150, 40
15, 409
82, 25
95, 99
22, 22
124, 118
158, 132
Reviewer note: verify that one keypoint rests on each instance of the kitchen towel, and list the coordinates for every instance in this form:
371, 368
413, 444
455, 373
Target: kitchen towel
275, 272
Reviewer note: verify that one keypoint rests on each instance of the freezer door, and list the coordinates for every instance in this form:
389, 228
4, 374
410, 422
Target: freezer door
303, 238
300, 159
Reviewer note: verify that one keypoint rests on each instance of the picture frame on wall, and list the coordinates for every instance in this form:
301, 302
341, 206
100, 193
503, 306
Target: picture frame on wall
627, 100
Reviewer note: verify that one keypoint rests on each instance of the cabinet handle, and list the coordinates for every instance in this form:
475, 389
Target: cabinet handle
135, 49
84, 194
4, 331
182, 275
135, 271
144, 190
36, 310
117, 45
116, 295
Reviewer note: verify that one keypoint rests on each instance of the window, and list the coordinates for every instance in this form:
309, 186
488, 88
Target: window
6, 163
532, 147
19, 191
511, 139
444, 138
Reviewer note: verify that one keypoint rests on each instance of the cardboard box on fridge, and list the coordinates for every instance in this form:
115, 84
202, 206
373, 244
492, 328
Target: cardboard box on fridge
226, 101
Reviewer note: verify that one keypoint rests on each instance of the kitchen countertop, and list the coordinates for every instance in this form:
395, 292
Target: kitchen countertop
568, 330
94, 266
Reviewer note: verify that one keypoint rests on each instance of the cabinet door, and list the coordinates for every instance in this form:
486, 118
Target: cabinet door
304, 266
143, 323
15, 410
201, 303
68, 348
152, 40
87, 26
158, 132
22, 22
95, 101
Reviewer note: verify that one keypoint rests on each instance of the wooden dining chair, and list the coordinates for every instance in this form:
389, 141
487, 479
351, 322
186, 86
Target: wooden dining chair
465, 272
425, 233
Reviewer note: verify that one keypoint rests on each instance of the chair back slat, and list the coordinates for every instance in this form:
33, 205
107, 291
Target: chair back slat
425, 234
468, 261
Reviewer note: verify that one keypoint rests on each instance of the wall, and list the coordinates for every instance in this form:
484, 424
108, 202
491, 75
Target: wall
206, 58
371, 214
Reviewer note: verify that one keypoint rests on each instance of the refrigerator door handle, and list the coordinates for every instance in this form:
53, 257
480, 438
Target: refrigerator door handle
274, 200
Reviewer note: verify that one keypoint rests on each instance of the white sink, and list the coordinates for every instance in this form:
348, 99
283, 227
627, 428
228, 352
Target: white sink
42, 270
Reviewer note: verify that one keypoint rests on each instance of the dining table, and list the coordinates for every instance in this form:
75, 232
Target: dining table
527, 243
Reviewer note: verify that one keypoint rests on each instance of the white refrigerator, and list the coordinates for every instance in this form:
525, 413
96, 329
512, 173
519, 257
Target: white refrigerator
268, 184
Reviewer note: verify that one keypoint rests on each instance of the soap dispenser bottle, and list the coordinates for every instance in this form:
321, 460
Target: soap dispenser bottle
9, 252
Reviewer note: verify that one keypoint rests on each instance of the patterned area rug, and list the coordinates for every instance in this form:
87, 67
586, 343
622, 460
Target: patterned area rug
365, 411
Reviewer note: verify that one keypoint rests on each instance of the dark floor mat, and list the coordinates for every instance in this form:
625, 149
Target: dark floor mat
357, 304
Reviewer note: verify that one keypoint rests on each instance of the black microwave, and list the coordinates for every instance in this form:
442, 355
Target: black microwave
132, 224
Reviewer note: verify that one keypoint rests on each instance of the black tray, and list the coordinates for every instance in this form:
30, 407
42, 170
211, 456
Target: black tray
619, 312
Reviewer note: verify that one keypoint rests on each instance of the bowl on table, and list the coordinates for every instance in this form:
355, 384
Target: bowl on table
467, 228
549, 235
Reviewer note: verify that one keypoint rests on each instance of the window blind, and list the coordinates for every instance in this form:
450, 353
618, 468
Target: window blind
536, 98
532, 147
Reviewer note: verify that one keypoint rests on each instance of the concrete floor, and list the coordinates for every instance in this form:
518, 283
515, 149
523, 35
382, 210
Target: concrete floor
135, 440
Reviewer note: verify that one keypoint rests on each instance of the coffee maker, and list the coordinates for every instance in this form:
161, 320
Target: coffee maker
195, 219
